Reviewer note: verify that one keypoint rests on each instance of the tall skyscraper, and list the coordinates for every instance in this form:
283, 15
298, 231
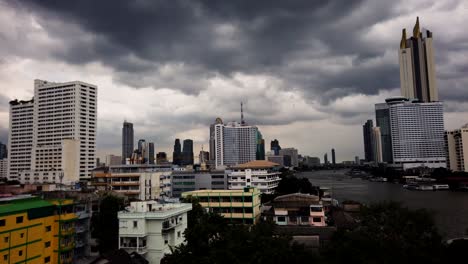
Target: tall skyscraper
234, 144
260, 154
456, 145
203, 156
151, 153
53, 137
20, 147
382, 117
333, 156
377, 145
212, 140
3, 151
187, 152
177, 154
161, 157
367, 134
417, 131
417, 67
325, 159
275, 146
127, 141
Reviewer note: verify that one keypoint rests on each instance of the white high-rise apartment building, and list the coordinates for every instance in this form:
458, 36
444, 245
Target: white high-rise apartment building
235, 143
62, 144
456, 144
417, 133
20, 137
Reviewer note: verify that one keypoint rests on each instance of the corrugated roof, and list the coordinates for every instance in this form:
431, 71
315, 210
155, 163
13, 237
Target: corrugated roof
22, 205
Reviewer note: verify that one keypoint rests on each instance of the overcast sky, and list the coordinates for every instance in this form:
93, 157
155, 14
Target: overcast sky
308, 72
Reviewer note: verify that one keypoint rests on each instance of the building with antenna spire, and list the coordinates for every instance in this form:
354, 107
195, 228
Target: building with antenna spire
234, 143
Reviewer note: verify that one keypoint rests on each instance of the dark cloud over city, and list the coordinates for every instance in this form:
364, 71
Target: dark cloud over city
318, 64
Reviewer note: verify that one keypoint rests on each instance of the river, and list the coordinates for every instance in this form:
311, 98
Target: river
450, 209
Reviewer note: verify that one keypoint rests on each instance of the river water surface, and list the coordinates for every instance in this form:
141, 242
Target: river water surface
450, 208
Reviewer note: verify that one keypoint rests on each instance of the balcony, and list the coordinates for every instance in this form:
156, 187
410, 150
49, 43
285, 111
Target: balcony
167, 225
142, 250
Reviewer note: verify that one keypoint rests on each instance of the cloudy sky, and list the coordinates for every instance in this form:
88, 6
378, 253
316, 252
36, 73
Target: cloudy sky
308, 72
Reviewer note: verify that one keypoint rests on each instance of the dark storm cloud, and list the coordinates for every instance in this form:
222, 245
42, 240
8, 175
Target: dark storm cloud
217, 36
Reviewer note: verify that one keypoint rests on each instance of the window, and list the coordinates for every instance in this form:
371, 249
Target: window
5, 239
22, 235
178, 234
304, 219
19, 219
5, 257
281, 219
135, 224
2, 222
47, 244
20, 253
317, 219
48, 228
47, 259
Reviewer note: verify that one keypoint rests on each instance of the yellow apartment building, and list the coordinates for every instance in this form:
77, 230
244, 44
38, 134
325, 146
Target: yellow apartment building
33, 230
239, 206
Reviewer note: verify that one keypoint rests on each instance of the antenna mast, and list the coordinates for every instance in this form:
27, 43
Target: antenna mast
242, 115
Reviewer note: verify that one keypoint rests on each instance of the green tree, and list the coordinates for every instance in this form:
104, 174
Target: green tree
105, 225
387, 233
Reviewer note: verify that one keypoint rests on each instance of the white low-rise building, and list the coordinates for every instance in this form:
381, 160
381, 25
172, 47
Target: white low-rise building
261, 174
151, 229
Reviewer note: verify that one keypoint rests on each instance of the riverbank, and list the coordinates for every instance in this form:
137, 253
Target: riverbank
450, 208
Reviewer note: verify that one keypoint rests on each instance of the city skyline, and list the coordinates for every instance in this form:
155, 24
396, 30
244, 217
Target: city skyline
278, 98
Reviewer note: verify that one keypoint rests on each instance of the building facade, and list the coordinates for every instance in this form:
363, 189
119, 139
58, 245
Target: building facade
417, 66
297, 209
275, 146
456, 145
112, 160
190, 180
263, 175
382, 117
234, 144
238, 206
333, 156
151, 154
3, 151
417, 131
367, 135
187, 152
63, 136
292, 153
127, 141
376, 145
4, 168
177, 154
136, 181
36, 231
20, 137
152, 229
260, 154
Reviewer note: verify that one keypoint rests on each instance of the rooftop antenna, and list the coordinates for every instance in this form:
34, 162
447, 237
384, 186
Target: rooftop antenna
242, 114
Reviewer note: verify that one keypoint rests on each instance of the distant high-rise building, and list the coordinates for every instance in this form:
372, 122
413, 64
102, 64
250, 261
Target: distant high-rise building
260, 154
234, 144
367, 134
212, 140
333, 156
382, 117
187, 152
275, 146
112, 160
53, 137
311, 161
203, 156
417, 67
356, 160
3, 151
127, 141
456, 145
291, 157
177, 154
325, 159
151, 152
417, 131
161, 157
377, 145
